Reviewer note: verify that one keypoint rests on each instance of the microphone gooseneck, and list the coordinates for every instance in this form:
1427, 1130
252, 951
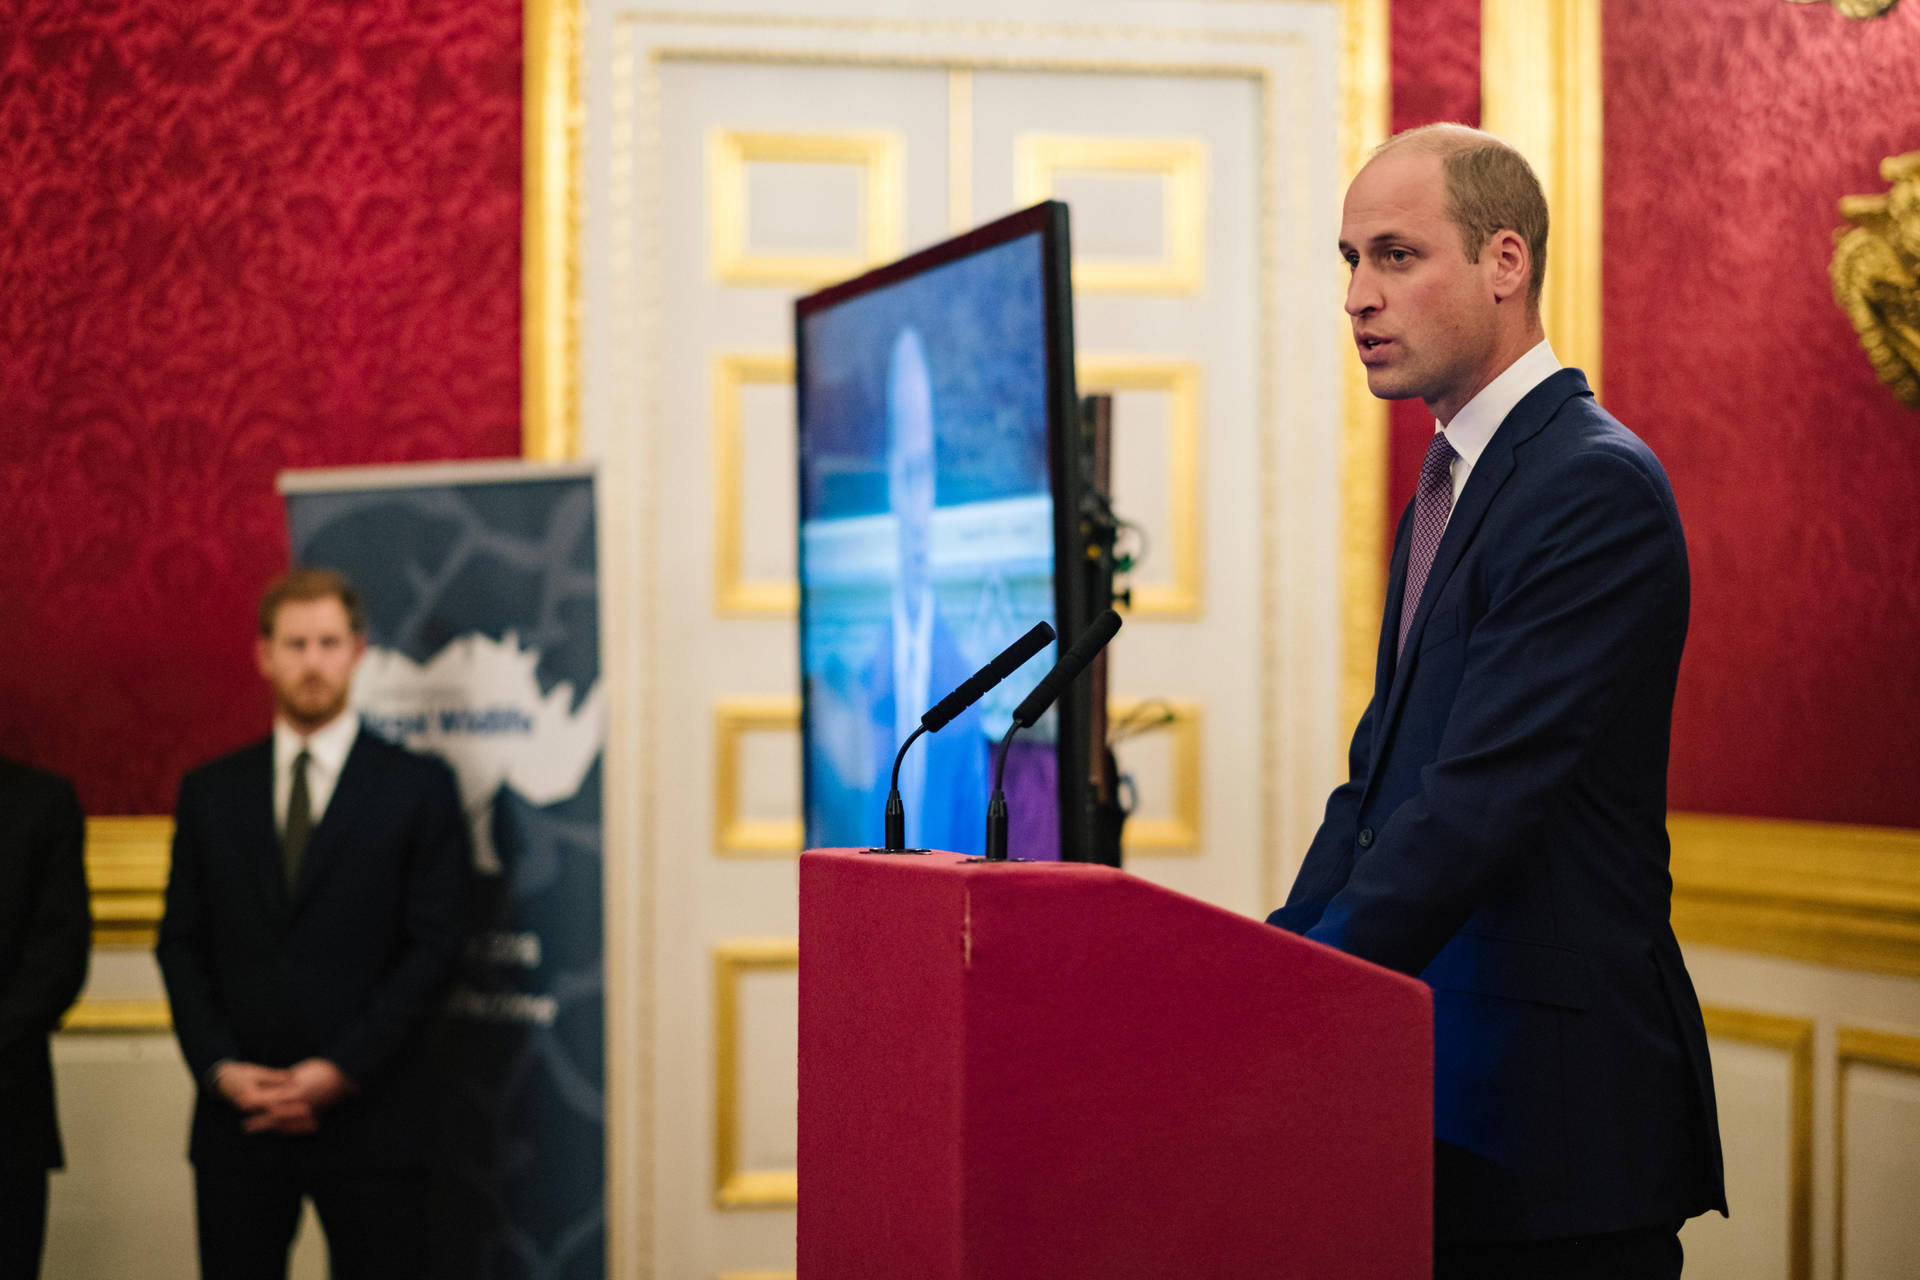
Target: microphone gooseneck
1004, 664
997, 806
1035, 705
896, 809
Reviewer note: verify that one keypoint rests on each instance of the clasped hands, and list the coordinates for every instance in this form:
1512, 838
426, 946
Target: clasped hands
285, 1101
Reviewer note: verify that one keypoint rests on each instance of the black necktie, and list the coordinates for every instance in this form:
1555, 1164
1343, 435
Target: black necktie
293, 844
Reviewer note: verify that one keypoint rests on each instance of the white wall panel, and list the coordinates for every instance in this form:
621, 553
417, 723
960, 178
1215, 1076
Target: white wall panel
1755, 1086
1879, 1173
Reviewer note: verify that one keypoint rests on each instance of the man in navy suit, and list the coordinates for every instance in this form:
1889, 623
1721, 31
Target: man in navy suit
45, 938
313, 920
1502, 832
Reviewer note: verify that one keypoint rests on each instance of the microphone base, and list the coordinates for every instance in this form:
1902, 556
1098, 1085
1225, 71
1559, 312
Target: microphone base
914, 851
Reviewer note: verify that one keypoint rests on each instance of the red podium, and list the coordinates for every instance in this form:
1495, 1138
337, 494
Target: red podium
1042, 1071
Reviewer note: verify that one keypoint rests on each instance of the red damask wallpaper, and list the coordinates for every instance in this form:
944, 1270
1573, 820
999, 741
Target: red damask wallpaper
1436, 76
1732, 129
234, 238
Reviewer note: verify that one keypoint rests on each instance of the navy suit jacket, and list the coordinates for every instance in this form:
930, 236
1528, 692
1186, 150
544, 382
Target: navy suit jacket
45, 938
1503, 835
351, 966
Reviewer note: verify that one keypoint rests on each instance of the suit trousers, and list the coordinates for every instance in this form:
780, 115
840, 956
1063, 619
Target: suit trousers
23, 1224
375, 1221
1649, 1253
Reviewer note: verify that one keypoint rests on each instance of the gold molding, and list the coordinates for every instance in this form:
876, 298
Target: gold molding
106, 1017
1845, 896
1181, 833
735, 836
1180, 381
756, 1275
127, 862
550, 221
1366, 95
1859, 1046
733, 595
1181, 163
1794, 1036
733, 1187
1540, 86
877, 154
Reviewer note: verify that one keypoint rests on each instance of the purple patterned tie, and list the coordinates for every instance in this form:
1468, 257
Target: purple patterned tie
1431, 507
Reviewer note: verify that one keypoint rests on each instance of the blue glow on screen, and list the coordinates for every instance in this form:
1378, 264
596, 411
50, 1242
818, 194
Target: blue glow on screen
926, 536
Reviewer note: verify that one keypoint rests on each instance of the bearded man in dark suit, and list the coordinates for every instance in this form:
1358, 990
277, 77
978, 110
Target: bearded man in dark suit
313, 921
45, 936
1502, 832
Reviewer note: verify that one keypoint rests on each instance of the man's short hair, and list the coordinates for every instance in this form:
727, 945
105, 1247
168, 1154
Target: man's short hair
312, 584
1490, 187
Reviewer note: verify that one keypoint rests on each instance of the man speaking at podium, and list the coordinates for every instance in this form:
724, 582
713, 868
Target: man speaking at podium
1502, 833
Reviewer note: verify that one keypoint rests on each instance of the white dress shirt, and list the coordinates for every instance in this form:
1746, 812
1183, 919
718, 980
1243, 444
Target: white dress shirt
1481, 416
327, 748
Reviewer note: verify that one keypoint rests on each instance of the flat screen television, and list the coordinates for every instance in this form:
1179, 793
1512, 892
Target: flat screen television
941, 475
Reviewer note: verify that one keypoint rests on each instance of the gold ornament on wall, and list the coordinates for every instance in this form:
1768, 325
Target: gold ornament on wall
1857, 8
1876, 275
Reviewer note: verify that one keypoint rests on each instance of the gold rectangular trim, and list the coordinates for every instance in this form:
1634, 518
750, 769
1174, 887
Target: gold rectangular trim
1794, 1036
106, 1017
1847, 896
733, 594
1366, 83
1864, 1047
734, 1187
1180, 597
1540, 90
735, 836
550, 231
127, 863
756, 1275
1182, 833
1181, 162
876, 153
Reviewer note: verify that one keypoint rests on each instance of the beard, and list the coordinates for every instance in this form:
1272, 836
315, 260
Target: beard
311, 702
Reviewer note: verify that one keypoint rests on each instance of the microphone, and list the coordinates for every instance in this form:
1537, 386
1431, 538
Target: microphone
1035, 705
1010, 660
1091, 642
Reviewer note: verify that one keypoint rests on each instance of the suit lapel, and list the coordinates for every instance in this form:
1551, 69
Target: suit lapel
1488, 478
349, 793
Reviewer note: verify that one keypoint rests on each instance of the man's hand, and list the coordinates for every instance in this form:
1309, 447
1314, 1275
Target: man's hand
249, 1086
266, 1097
318, 1083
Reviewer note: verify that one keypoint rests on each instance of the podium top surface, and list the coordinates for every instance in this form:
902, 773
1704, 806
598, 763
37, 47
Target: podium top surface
1084, 899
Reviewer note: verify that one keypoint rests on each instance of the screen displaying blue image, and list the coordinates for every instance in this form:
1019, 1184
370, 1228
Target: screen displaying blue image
926, 547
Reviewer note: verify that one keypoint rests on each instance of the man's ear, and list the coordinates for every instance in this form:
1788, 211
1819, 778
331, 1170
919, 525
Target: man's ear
1512, 264
262, 655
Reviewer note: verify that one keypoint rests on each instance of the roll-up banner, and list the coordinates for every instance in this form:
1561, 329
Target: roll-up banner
482, 596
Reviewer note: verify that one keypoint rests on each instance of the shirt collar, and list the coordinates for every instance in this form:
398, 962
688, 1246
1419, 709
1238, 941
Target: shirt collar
1476, 422
328, 745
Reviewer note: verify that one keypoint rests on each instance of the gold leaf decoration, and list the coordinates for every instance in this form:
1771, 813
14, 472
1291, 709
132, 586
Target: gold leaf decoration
1876, 275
